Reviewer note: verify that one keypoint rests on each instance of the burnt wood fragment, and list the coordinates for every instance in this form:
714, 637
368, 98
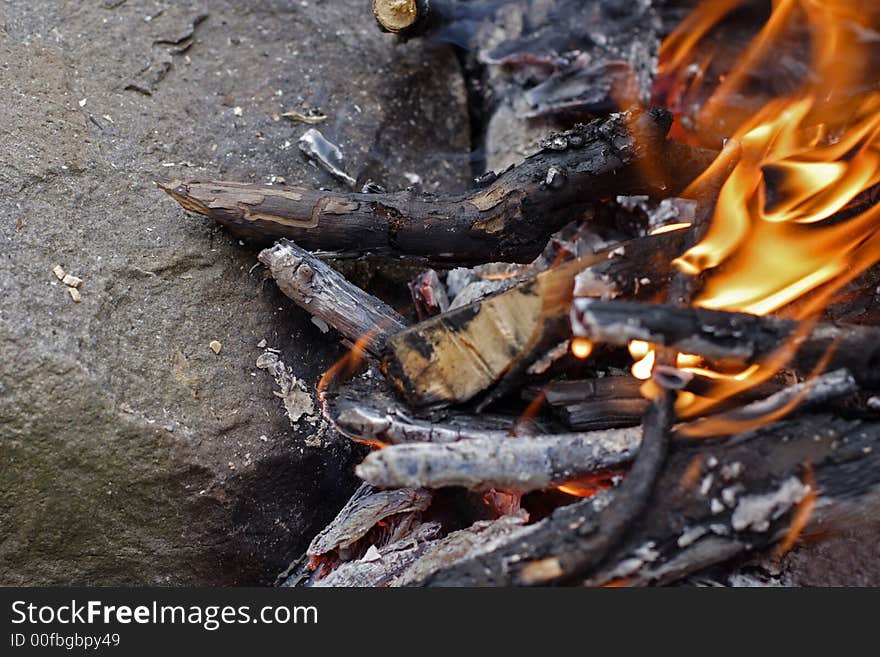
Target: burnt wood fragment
362, 514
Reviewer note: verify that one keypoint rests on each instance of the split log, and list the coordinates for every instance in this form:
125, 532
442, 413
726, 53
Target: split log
509, 219
343, 538
323, 292
417, 556
744, 498
455, 356
502, 462
725, 336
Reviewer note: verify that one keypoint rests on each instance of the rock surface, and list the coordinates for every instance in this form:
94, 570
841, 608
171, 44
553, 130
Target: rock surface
131, 452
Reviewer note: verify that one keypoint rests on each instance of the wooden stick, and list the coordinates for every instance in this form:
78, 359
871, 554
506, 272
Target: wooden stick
392, 426
813, 392
498, 461
507, 220
325, 293
719, 335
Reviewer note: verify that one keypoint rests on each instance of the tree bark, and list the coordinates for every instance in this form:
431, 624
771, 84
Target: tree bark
509, 219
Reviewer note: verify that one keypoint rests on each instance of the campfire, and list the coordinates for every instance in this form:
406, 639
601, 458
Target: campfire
649, 348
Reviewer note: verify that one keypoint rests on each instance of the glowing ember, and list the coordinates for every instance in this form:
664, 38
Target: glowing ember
581, 348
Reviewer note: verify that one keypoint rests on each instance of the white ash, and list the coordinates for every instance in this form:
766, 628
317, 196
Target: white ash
546, 362
756, 512
874, 403
669, 211
647, 552
599, 286
293, 393
715, 506
706, 485
731, 470
691, 535
729, 494
372, 554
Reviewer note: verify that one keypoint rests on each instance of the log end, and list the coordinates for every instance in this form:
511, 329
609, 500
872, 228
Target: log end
396, 15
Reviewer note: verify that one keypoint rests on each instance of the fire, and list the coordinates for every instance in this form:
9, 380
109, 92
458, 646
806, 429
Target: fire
581, 348
805, 158
590, 485
341, 369
791, 226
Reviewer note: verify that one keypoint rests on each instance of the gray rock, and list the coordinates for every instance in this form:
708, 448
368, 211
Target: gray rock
130, 452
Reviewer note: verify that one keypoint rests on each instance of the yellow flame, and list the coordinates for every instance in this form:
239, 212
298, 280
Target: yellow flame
792, 225
581, 348
805, 158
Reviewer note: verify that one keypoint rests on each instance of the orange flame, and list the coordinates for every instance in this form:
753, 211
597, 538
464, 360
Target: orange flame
589, 485
343, 368
802, 514
775, 236
790, 227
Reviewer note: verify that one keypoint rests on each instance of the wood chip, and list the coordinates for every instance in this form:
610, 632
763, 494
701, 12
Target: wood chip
74, 294
216, 346
71, 281
58, 270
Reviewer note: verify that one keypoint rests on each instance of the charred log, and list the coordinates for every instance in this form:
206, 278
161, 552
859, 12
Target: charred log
509, 219
725, 336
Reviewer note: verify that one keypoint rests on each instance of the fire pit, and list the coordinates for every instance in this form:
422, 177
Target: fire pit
649, 348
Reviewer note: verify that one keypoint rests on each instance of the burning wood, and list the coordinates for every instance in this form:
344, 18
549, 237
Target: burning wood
737, 337
722, 300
